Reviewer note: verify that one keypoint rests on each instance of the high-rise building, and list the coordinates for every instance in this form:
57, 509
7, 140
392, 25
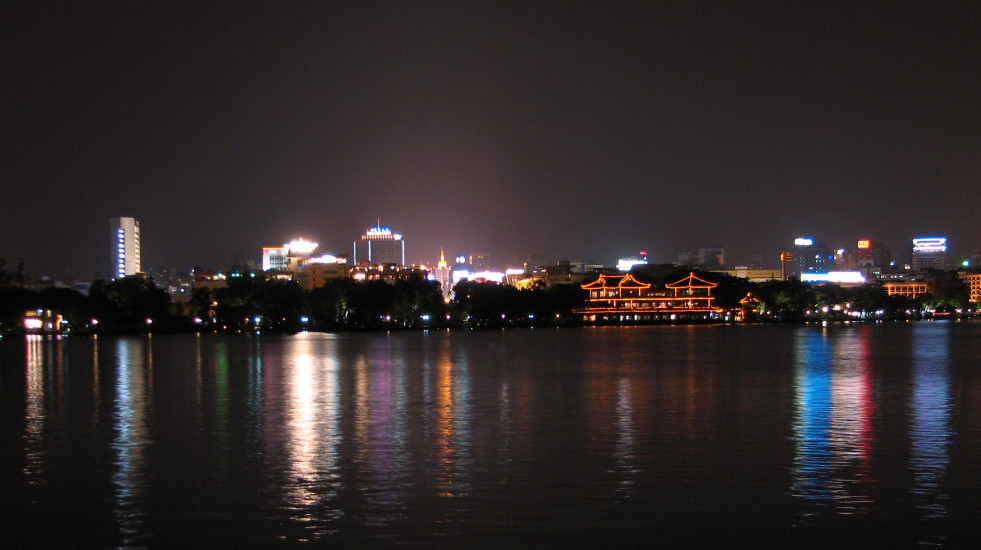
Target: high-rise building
274, 258
289, 257
707, 258
444, 275
478, 261
711, 258
125, 246
379, 246
810, 257
930, 253
868, 256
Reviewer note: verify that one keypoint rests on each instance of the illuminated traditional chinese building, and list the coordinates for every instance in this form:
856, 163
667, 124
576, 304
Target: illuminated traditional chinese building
624, 299
749, 307
909, 289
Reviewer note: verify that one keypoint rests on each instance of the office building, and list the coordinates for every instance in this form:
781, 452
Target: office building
379, 246
316, 274
930, 253
124, 246
706, 258
289, 257
870, 258
274, 258
478, 261
810, 257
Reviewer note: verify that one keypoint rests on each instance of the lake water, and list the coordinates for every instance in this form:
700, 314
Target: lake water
840, 436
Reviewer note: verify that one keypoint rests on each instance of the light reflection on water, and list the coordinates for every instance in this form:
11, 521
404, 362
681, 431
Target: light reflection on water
311, 418
833, 425
423, 438
839, 434
452, 419
625, 449
35, 413
930, 423
376, 434
134, 370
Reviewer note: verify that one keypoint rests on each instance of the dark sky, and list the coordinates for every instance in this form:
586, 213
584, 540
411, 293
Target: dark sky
579, 130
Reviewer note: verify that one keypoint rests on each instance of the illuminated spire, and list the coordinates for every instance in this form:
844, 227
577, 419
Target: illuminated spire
442, 260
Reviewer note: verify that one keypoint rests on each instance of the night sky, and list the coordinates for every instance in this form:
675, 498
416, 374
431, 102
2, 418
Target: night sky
576, 130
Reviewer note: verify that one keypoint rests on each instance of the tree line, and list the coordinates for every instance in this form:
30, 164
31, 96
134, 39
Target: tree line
133, 304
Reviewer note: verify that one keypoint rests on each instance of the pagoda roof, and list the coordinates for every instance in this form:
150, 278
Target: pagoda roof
616, 281
691, 281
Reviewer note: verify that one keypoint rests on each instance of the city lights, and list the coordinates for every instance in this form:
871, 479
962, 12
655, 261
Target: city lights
300, 246
930, 244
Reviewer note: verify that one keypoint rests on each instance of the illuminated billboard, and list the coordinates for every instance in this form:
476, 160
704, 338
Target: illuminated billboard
927, 245
803, 241
864, 244
626, 264
840, 277
379, 232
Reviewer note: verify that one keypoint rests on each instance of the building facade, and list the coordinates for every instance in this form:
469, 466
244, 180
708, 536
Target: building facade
973, 282
444, 276
124, 246
930, 253
706, 258
316, 275
753, 275
810, 257
909, 289
868, 257
379, 246
274, 258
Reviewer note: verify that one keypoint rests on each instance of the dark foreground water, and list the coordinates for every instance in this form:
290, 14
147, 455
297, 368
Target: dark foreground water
701, 436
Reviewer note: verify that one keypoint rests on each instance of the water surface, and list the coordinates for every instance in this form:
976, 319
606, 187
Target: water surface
670, 436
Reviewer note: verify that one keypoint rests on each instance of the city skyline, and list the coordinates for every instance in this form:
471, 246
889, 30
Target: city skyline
581, 131
259, 257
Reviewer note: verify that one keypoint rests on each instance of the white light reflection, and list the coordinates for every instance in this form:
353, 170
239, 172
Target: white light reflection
34, 411
132, 439
312, 422
96, 383
255, 394
625, 448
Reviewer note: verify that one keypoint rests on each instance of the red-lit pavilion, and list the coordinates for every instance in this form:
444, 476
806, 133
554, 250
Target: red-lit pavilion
624, 299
